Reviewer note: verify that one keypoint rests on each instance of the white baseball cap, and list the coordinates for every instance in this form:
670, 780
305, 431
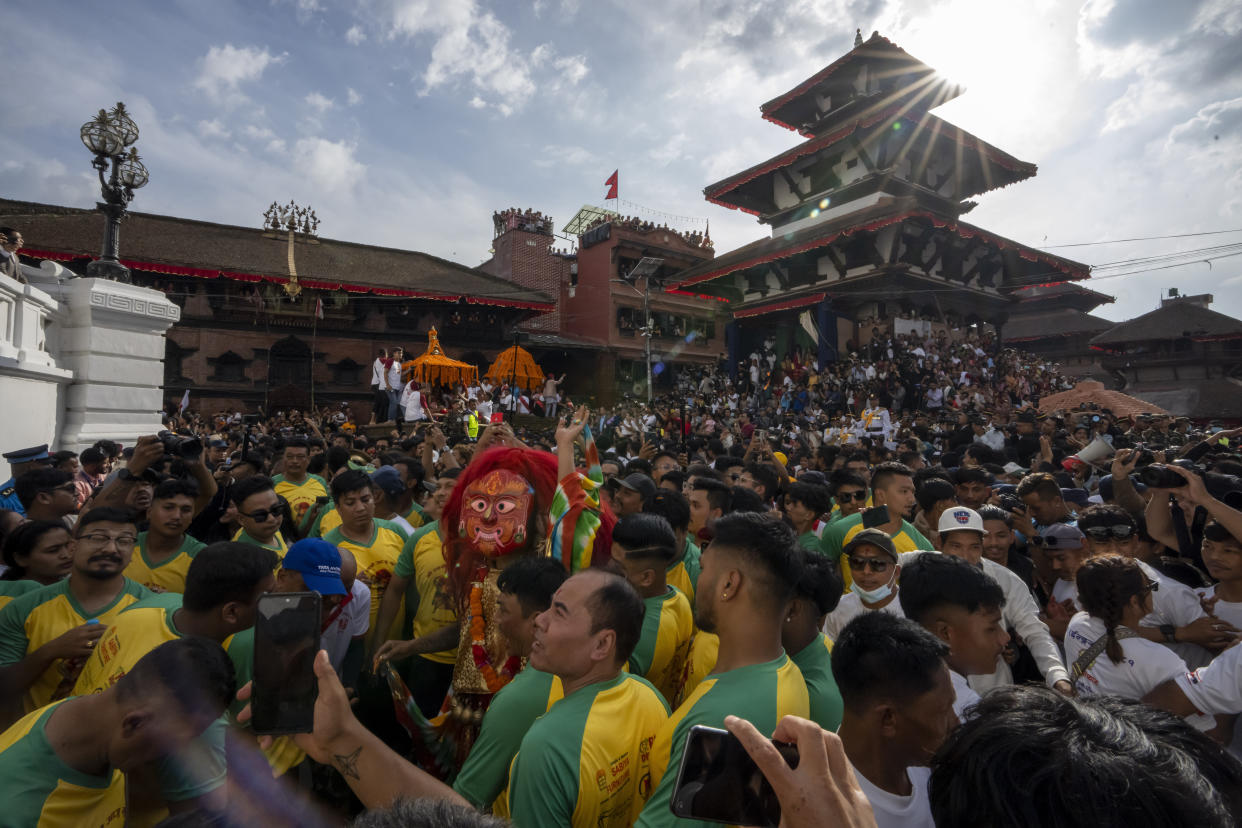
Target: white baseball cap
959, 517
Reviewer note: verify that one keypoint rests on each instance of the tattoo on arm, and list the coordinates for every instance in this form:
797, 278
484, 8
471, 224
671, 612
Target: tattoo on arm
347, 764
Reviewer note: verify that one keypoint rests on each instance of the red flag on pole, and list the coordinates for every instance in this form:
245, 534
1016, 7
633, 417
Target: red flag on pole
611, 184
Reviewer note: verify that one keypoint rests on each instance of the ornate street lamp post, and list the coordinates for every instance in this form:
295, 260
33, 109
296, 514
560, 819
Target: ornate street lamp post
110, 137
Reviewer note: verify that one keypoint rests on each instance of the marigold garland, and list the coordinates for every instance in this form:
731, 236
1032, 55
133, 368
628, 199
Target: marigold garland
478, 648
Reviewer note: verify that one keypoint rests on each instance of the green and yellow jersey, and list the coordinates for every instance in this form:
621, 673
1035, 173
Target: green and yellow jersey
704, 648
684, 572
377, 558
168, 575
41, 790
201, 766
660, 656
837, 535
277, 545
38, 617
484, 778
586, 761
436, 609
328, 520
15, 589
811, 542
815, 663
301, 496
416, 517
405, 569
760, 693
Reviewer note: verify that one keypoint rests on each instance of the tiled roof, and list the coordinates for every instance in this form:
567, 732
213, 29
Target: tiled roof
1172, 321
201, 248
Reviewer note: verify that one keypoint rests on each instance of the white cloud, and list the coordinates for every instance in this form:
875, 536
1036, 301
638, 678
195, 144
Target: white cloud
225, 68
478, 103
355, 35
555, 155
472, 46
330, 165
573, 68
258, 133
319, 102
352, 97
276, 145
213, 129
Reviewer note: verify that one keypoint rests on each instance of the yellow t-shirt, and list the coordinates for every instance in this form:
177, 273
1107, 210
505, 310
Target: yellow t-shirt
166, 576
586, 762
660, 656
704, 648
38, 617
41, 790
684, 573
376, 559
435, 604
301, 496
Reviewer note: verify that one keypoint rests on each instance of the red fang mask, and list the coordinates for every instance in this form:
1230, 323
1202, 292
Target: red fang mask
494, 513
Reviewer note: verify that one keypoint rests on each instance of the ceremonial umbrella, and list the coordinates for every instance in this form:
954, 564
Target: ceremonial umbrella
434, 368
515, 364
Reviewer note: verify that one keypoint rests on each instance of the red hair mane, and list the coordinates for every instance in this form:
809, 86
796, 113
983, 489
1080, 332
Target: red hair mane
539, 469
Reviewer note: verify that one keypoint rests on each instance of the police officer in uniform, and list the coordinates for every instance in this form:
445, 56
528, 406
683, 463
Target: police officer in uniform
21, 462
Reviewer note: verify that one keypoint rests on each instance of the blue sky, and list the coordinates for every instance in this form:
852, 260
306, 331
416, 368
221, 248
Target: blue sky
407, 122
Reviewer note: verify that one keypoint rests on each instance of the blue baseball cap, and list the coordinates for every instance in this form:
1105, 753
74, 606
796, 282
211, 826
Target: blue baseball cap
388, 479
319, 564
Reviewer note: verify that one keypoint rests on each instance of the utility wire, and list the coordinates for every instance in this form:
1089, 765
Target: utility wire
1141, 238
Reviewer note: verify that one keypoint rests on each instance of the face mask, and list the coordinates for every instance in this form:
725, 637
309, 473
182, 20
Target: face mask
873, 596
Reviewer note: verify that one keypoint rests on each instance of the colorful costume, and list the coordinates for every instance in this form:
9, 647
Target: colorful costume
506, 502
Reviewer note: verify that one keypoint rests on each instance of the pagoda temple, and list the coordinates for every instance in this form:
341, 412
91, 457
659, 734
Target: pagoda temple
865, 216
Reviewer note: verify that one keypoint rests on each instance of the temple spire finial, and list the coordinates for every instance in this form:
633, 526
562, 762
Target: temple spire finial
857, 38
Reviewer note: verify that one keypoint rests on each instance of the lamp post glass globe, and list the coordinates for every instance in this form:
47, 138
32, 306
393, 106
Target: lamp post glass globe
99, 136
133, 174
123, 125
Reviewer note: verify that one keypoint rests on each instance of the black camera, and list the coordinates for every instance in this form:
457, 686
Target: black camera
1012, 503
1226, 488
175, 445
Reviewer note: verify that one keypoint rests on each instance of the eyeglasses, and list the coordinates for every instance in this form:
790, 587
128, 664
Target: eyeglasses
1121, 531
1152, 586
262, 515
860, 495
874, 564
101, 540
1053, 543
68, 488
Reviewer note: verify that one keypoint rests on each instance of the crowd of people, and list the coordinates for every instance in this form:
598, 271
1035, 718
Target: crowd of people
897, 563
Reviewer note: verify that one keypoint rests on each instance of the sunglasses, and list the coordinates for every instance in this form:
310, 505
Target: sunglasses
860, 495
1102, 533
1053, 543
874, 564
263, 514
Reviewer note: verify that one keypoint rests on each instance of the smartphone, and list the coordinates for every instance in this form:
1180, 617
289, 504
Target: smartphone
286, 640
875, 516
719, 782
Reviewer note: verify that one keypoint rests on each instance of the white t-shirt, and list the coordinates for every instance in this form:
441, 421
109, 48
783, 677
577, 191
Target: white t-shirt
850, 607
377, 372
1216, 688
965, 698
1064, 589
394, 375
1145, 663
893, 811
352, 621
1224, 610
